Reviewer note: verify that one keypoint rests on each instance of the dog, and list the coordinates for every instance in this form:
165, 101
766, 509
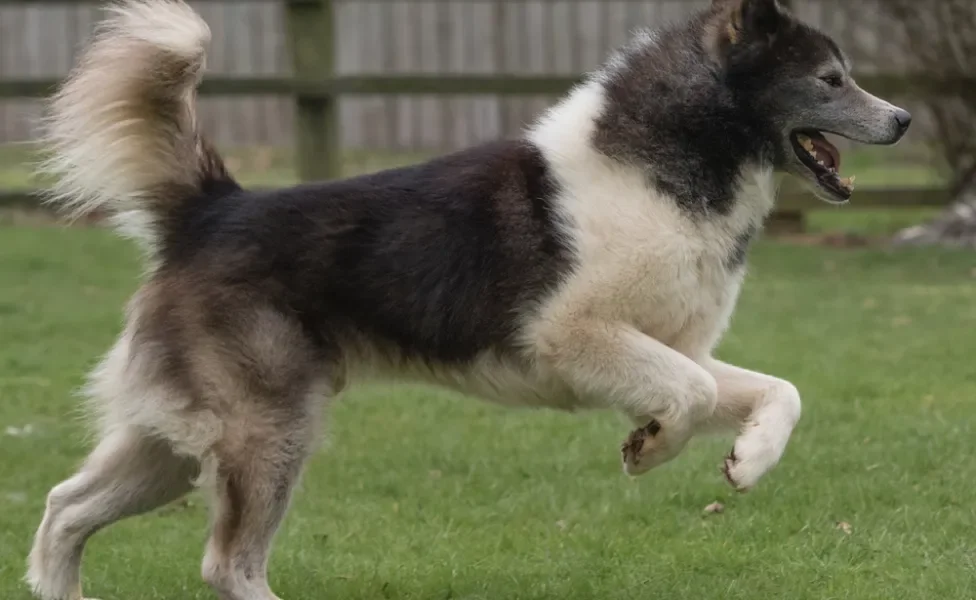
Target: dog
592, 263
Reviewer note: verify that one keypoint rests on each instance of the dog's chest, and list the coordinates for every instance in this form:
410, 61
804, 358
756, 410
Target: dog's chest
681, 293
643, 260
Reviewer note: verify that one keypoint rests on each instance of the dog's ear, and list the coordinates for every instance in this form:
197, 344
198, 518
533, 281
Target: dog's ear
758, 17
737, 23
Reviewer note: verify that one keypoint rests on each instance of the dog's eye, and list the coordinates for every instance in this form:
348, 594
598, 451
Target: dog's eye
833, 80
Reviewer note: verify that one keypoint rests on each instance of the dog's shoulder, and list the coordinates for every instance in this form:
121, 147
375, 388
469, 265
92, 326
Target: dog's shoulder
643, 256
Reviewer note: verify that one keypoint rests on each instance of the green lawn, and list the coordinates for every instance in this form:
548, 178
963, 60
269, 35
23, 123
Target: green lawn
422, 495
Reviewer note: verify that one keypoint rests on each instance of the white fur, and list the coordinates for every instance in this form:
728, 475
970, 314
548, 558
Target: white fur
127, 474
634, 326
126, 390
765, 409
643, 259
109, 147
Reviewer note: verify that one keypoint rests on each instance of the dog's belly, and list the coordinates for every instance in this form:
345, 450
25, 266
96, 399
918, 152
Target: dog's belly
492, 376
511, 385
685, 306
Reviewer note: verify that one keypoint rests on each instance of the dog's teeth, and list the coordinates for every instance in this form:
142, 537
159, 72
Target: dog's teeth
813, 153
848, 182
807, 143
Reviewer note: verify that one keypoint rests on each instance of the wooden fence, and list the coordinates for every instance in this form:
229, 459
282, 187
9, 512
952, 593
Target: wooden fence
400, 37
315, 88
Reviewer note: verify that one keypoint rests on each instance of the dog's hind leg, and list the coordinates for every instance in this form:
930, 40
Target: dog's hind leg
128, 473
252, 497
256, 471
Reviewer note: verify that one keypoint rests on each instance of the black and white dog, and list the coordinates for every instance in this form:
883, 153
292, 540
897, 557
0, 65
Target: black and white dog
593, 263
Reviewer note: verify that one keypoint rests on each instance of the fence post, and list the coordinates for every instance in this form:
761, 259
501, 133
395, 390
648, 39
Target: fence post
311, 39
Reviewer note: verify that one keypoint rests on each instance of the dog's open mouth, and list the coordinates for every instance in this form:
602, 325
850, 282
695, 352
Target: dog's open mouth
823, 159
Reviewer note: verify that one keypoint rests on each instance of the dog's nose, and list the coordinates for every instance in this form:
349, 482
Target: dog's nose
904, 119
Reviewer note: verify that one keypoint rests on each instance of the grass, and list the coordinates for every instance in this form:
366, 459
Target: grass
866, 221
420, 494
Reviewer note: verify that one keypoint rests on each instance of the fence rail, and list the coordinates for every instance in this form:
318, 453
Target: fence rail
315, 89
525, 85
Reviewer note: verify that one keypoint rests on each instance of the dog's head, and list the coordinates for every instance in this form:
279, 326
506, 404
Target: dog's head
799, 83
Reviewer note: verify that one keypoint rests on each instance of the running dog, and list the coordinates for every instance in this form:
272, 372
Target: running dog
592, 263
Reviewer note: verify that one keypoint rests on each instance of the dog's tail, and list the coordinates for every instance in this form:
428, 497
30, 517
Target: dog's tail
121, 132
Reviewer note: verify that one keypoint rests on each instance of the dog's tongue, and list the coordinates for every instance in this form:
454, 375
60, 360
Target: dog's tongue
826, 153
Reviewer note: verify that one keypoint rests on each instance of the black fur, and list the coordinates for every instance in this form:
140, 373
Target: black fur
693, 108
737, 257
669, 111
436, 259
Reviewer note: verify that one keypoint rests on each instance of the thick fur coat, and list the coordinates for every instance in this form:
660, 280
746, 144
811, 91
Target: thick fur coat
592, 263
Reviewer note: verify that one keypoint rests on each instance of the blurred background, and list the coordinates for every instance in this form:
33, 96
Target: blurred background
915, 53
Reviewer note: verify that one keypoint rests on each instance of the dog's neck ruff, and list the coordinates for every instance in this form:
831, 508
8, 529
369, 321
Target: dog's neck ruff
565, 135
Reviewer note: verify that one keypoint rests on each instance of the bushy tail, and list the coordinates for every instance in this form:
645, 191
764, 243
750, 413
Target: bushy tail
121, 132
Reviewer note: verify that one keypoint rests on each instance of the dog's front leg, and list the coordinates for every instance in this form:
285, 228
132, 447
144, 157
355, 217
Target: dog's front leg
765, 410
614, 364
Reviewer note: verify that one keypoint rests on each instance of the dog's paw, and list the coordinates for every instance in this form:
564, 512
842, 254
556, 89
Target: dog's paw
648, 447
744, 467
730, 463
756, 451
639, 444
